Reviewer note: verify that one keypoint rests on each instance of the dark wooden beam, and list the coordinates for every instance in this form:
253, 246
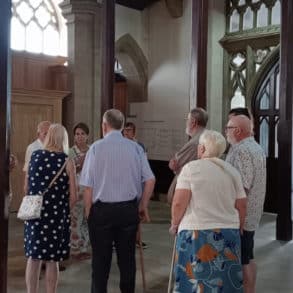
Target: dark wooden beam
108, 54
136, 4
199, 52
5, 16
284, 222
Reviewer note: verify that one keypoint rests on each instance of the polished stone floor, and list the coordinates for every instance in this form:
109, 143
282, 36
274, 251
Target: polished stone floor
274, 259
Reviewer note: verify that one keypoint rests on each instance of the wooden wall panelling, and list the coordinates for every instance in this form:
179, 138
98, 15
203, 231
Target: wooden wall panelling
29, 107
59, 77
120, 97
32, 71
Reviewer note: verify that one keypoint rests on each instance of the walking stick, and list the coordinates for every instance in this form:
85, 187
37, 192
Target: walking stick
172, 266
141, 259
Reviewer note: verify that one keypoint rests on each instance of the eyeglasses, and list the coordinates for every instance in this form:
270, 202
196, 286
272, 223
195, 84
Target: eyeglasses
230, 127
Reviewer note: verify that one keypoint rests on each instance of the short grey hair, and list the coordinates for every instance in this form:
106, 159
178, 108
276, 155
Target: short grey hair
214, 143
114, 118
200, 116
42, 125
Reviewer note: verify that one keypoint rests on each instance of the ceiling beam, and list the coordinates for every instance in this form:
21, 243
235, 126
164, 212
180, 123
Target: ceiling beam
136, 4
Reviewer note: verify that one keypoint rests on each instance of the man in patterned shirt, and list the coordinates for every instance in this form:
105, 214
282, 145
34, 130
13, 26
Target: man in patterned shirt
247, 156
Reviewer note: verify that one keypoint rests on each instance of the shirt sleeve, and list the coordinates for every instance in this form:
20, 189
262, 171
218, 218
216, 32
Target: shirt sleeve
71, 153
186, 154
147, 172
183, 181
240, 192
87, 172
244, 165
28, 155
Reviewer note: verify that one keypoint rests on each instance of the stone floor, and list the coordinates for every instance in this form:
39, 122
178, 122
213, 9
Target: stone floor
274, 259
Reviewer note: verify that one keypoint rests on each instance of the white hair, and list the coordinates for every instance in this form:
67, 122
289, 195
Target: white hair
214, 143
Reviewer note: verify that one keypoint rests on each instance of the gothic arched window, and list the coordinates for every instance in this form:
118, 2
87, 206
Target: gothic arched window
37, 26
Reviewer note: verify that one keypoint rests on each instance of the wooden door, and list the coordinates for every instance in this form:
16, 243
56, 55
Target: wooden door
28, 108
266, 113
120, 101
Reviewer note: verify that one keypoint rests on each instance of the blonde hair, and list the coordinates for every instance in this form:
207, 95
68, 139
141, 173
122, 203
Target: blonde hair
57, 138
214, 143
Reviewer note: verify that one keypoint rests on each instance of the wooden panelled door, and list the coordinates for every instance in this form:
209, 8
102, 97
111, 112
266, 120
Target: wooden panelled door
265, 106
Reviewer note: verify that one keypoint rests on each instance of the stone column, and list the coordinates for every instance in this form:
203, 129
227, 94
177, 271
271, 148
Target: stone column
84, 59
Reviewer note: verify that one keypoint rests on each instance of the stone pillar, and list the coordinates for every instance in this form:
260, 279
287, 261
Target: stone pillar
84, 59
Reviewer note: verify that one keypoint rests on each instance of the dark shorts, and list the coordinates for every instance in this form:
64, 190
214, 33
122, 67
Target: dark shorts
247, 245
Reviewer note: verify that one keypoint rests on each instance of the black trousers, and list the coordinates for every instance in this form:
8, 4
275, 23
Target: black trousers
113, 223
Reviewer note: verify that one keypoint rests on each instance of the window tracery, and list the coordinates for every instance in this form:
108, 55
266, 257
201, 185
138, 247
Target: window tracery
37, 26
246, 52
252, 14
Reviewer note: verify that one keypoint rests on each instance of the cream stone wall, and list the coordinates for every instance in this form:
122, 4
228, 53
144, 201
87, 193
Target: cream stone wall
166, 42
133, 22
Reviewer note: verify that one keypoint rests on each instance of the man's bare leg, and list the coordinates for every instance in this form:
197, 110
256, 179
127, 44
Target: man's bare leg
249, 277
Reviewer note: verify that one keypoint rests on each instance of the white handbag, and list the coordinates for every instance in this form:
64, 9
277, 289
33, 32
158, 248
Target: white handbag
31, 205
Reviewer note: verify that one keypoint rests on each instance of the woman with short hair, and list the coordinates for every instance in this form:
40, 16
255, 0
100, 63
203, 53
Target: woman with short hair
208, 212
47, 239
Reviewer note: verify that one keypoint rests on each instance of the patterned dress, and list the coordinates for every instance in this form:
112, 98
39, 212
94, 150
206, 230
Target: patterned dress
208, 261
47, 238
79, 240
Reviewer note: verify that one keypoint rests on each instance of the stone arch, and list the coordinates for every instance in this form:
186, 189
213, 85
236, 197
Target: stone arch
261, 75
135, 68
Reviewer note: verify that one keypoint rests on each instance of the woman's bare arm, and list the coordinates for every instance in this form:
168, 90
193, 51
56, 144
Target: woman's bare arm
70, 169
179, 204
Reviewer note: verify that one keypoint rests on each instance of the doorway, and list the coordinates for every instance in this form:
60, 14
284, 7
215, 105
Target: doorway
265, 107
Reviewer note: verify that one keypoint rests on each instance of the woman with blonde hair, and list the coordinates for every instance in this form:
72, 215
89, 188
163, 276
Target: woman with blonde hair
208, 213
47, 239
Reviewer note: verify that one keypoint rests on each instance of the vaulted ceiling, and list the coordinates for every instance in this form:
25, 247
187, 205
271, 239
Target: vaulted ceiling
136, 4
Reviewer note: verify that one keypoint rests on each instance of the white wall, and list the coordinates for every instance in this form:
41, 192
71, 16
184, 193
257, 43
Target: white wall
160, 121
166, 43
133, 22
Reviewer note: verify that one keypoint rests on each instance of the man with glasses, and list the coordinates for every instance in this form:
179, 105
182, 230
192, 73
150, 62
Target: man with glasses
247, 156
129, 132
195, 124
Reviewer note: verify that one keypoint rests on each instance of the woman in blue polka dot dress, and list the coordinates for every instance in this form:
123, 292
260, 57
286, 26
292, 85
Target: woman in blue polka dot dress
47, 239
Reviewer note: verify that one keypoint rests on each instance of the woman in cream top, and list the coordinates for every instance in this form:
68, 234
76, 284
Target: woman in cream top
208, 212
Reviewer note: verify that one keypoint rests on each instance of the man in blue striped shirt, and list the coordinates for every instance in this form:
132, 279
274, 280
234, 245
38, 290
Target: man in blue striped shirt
118, 185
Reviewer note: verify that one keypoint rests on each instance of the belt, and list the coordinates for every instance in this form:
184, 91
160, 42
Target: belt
99, 202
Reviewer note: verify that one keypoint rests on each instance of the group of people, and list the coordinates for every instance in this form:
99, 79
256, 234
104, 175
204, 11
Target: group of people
102, 192
100, 195
217, 205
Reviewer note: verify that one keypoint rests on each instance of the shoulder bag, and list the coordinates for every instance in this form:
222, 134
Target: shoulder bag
31, 205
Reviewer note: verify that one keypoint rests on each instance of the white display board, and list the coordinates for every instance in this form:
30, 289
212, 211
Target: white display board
162, 143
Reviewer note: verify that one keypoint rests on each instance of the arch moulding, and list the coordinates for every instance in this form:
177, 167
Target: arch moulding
135, 68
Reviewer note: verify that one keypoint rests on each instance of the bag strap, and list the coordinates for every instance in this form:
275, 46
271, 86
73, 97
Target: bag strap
56, 176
